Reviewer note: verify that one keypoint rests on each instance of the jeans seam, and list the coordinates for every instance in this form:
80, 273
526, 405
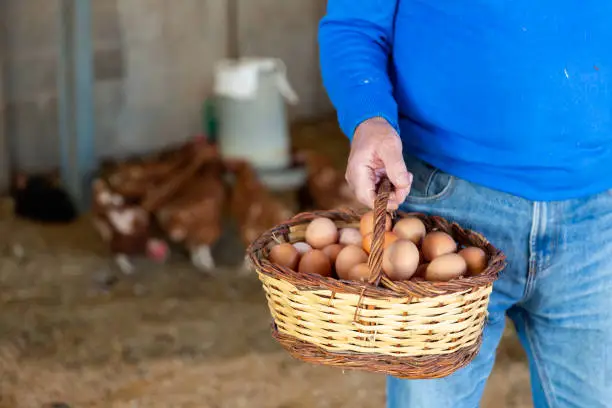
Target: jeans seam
533, 255
430, 181
543, 378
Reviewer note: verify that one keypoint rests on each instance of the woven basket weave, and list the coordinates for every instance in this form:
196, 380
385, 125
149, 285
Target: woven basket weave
411, 329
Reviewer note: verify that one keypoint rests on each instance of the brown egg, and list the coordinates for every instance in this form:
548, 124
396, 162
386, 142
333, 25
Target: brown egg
315, 262
332, 252
359, 273
401, 260
420, 272
366, 225
285, 255
410, 228
350, 256
366, 243
302, 247
321, 232
389, 239
437, 243
475, 258
387, 266
349, 236
445, 267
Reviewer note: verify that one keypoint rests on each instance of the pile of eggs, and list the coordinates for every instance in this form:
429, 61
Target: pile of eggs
409, 251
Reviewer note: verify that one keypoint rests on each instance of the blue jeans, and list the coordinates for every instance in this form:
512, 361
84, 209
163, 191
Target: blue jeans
557, 289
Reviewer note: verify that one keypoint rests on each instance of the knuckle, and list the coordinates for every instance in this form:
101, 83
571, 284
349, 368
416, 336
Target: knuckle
392, 144
348, 176
399, 168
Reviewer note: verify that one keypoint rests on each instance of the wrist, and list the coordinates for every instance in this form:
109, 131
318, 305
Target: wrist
377, 127
374, 121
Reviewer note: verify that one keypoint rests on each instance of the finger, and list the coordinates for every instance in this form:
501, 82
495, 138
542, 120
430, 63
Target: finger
393, 203
398, 196
395, 167
361, 180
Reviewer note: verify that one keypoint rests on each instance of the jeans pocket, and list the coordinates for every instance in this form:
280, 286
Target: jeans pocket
429, 183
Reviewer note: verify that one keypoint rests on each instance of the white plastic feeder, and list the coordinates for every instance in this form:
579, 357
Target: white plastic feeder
251, 94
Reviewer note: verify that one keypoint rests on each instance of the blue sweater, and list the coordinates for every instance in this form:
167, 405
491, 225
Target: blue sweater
513, 95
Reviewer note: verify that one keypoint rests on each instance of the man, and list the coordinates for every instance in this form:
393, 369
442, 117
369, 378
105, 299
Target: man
504, 113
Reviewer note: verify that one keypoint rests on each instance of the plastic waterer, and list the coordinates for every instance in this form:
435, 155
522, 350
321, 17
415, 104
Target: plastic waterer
250, 98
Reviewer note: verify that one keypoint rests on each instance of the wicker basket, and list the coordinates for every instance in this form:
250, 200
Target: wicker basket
411, 329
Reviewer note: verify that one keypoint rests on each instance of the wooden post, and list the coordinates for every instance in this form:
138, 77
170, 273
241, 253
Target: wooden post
75, 89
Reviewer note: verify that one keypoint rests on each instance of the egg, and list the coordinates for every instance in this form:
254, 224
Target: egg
350, 256
321, 232
349, 236
387, 266
302, 247
332, 252
401, 260
359, 273
445, 268
315, 262
420, 272
437, 243
285, 255
390, 238
410, 228
366, 225
475, 258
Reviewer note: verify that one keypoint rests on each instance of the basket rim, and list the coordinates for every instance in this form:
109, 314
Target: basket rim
414, 288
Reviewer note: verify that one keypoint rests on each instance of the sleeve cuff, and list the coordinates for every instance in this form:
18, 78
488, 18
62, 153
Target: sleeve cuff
367, 106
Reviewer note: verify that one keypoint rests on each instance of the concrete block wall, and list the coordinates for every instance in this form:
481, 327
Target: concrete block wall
287, 30
153, 62
169, 48
31, 76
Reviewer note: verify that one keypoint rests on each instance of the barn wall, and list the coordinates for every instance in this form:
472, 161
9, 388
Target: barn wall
31, 75
287, 30
153, 63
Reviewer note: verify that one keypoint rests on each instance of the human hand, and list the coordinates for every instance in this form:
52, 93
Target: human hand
376, 151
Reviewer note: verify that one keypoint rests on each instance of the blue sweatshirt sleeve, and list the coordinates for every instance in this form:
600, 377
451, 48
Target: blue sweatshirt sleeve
355, 39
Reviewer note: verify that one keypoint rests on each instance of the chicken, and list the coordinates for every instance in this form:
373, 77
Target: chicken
245, 182
194, 215
125, 204
124, 227
253, 207
199, 155
134, 179
181, 189
326, 185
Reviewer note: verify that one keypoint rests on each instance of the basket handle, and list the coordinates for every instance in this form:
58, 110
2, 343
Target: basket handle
378, 235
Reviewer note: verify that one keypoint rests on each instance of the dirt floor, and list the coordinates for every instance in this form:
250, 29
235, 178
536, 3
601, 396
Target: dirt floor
76, 333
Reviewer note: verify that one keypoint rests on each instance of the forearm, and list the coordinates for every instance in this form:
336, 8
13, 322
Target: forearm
355, 40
